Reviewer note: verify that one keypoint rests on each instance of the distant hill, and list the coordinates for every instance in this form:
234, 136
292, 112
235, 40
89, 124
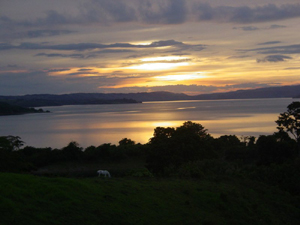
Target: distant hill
269, 92
39, 100
7, 109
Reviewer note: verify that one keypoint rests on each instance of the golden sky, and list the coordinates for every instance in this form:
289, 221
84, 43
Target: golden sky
187, 46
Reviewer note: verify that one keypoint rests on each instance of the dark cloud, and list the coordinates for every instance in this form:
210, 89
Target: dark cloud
105, 51
39, 82
45, 33
270, 12
247, 28
274, 58
292, 68
156, 12
277, 50
108, 11
81, 70
81, 73
252, 28
77, 56
269, 43
12, 66
57, 70
95, 11
95, 46
163, 11
238, 57
275, 26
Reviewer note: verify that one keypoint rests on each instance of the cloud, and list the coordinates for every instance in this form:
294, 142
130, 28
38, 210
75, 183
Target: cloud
252, 28
155, 12
57, 70
269, 43
45, 33
39, 82
238, 57
274, 58
275, 26
278, 50
95, 46
163, 11
292, 68
107, 11
245, 14
77, 56
247, 28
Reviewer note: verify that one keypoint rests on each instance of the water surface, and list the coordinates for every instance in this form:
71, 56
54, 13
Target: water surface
98, 124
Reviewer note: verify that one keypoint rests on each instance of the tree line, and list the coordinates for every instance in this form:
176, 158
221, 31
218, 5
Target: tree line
185, 151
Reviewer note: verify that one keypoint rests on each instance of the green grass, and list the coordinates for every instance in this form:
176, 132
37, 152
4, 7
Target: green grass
28, 199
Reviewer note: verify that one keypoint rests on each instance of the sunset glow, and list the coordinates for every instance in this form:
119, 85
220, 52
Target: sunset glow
180, 77
158, 66
127, 46
165, 58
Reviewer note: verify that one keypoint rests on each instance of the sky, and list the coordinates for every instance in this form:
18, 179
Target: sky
121, 46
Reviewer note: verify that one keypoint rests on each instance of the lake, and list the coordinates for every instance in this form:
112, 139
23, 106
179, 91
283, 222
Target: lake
98, 124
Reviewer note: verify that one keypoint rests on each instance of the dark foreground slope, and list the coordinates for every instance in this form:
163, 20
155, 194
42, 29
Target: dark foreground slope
27, 199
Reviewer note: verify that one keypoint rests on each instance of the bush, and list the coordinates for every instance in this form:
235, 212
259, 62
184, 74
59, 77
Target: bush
208, 167
142, 172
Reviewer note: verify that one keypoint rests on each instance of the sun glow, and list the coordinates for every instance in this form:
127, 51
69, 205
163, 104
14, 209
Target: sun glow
158, 66
166, 58
141, 43
180, 77
161, 63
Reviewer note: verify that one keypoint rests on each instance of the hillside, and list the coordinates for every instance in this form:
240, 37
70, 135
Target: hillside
27, 199
39, 100
269, 92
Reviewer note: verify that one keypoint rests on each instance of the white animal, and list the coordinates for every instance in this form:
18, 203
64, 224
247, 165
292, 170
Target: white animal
104, 172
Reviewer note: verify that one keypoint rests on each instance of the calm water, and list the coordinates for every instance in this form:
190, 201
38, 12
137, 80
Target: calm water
98, 124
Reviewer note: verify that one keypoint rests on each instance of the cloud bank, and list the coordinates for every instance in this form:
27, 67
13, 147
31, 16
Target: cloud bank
92, 46
274, 58
270, 12
157, 12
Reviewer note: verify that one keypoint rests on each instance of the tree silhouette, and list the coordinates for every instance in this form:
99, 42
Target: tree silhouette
126, 142
11, 143
289, 121
169, 147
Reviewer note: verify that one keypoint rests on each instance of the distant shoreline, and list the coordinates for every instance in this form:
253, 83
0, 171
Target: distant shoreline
10, 110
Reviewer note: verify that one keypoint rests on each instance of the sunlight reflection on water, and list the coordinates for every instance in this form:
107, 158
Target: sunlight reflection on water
98, 124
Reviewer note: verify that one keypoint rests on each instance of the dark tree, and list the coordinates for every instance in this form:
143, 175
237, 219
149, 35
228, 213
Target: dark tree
274, 149
72, 152
289, 121
161, 135
126, 142
169, 148
11, 143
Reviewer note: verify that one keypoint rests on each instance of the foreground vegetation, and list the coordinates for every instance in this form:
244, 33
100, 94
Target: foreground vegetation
27, 199
181, 176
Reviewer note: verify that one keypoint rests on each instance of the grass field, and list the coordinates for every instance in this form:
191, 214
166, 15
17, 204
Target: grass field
33, 200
